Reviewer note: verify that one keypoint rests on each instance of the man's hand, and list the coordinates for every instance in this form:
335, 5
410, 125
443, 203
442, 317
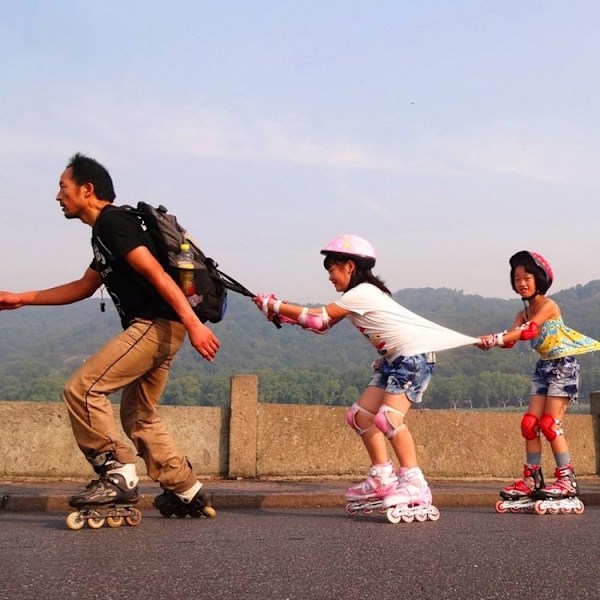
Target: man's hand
204, 341
10, 301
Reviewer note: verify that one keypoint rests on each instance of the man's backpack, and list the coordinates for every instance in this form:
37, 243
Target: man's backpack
210, 301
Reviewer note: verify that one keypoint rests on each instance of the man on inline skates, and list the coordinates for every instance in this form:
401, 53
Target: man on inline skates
155, 316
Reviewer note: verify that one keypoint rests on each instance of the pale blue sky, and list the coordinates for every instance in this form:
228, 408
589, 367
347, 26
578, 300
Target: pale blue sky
450, 134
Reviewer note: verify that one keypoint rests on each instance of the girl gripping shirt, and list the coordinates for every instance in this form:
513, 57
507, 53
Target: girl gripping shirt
394, 330
406, 343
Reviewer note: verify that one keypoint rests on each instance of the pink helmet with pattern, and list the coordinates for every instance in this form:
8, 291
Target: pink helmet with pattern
544, 275
352, 246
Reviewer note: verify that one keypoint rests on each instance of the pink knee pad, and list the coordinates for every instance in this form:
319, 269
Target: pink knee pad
547, 423
383, 423
530, 426
351, 418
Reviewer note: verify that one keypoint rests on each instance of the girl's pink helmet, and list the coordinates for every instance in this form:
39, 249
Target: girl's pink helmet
352, 246
527, 258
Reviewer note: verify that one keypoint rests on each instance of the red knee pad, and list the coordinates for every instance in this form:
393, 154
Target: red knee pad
530, 426
547, 427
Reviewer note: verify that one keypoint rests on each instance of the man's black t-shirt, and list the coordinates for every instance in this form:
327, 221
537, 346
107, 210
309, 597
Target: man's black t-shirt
117, 232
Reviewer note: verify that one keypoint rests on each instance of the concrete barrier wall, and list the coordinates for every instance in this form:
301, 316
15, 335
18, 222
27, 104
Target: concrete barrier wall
250, 439
36, 440
313, 440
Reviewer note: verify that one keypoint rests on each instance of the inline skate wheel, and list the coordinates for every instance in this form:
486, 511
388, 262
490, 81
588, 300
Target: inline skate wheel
209, 512
500, 508
75, 522
95, 522
408, 518
351, 510
579, 509
553, 510
421, 517
434, 515
114, 522
539, 509
134, 519
392, 516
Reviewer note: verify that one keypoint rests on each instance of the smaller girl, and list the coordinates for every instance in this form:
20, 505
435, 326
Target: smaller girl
554, 385
405, 343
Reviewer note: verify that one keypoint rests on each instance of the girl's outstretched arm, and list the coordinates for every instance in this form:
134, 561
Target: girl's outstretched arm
507, 338
318, 320
523, 328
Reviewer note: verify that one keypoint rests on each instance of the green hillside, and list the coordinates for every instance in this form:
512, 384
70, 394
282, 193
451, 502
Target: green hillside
41, 346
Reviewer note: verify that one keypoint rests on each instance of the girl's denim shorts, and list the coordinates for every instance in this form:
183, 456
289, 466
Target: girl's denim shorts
556, 377
408, 375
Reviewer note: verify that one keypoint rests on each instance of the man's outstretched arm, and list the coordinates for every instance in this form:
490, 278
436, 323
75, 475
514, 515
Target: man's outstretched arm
66, 293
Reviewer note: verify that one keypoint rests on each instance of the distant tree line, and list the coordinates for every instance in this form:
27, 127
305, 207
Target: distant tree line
41, 346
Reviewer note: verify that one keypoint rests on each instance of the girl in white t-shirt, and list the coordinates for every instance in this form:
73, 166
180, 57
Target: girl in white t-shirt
405, 343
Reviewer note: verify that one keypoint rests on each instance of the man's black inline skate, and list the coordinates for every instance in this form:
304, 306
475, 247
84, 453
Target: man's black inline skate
169, 504
109, 499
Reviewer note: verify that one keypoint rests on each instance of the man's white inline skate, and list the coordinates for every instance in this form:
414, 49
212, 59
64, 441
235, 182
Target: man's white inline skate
109, 499
562, 496
411, 500
367, 496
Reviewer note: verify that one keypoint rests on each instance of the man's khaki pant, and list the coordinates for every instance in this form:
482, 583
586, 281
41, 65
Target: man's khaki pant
136, 361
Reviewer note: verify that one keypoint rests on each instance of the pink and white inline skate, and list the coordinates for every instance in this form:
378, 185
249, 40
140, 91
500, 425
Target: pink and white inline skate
367, 496
411, 499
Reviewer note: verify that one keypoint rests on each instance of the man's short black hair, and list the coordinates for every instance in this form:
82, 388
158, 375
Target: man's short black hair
87, 170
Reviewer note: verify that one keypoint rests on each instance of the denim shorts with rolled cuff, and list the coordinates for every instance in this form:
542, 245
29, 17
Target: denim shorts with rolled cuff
408, 375
557, 377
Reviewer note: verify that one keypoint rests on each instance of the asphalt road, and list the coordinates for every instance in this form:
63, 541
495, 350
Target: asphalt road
297, 554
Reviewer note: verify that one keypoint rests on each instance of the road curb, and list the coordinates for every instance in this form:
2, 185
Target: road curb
263, 494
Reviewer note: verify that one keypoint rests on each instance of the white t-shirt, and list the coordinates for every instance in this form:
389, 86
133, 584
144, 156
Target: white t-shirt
394, 330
